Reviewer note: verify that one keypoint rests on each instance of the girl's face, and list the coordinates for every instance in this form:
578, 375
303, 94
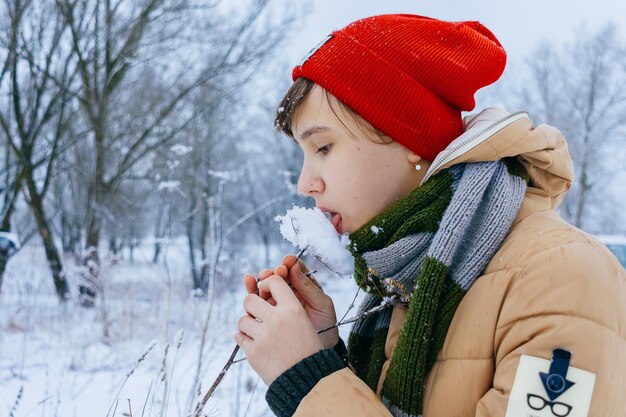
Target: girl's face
350, 176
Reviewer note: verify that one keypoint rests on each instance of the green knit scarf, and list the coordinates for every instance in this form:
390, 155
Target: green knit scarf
426, 251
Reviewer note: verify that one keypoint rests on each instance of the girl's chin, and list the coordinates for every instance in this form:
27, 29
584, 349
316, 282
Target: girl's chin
351, 228
346, 228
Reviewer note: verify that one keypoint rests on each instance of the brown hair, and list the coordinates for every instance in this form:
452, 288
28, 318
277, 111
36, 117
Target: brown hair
295, 96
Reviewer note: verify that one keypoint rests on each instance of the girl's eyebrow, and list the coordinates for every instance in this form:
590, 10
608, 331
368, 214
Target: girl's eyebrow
312, 131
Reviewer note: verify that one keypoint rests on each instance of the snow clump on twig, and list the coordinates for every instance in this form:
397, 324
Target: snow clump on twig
311, 229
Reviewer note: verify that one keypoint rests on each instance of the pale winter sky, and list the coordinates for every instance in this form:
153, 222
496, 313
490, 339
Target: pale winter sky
520, 25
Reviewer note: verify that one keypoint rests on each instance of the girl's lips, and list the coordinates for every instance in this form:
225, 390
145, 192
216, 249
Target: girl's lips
336, 220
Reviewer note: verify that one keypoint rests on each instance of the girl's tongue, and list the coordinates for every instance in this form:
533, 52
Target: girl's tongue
335, 219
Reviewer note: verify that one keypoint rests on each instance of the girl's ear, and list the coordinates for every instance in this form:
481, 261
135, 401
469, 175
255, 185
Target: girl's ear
413, 157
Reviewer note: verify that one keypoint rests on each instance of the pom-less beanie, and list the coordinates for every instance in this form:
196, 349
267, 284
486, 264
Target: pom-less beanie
409, 76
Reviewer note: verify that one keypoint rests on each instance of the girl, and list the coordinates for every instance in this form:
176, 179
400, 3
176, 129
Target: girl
500, 307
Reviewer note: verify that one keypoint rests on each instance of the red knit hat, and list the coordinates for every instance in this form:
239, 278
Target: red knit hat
409, 76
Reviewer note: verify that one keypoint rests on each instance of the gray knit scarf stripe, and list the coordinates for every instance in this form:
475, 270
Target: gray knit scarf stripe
485, 202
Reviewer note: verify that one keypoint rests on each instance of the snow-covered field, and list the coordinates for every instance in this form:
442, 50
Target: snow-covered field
56, 360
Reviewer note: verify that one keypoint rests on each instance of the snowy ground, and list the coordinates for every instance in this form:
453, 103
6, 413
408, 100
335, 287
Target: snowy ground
54, 360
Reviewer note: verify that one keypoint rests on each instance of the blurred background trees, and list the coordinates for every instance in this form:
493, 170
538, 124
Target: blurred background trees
580, 88
124, 122
120, 121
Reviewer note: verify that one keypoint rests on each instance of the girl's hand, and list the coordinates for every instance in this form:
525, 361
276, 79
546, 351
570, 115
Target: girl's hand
318, 306
275, 337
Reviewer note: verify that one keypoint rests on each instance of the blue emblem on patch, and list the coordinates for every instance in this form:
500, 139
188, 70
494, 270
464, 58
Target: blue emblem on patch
555, 382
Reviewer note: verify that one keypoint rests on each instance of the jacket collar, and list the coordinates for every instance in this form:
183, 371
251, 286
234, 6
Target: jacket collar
494, 134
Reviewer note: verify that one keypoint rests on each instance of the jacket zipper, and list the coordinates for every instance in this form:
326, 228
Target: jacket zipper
475, 139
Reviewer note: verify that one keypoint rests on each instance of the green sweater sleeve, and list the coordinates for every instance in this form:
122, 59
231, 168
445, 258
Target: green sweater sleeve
285, 393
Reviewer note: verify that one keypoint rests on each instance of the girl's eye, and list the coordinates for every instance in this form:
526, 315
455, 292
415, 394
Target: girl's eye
323, 149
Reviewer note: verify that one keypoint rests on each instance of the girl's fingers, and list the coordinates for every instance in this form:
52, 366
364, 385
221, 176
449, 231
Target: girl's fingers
256, 306
250, 283
264, 273
264, 292
243, 340
281, 271
307, 286
312, 279
300, 298
249, 326
278, 288
290, 261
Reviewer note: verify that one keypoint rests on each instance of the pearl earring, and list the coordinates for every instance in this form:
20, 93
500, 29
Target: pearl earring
418, 167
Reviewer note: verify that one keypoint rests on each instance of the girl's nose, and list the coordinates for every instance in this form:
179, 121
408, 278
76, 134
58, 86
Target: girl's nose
309, 182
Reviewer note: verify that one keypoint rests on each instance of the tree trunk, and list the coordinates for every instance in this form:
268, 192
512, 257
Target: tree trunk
157, 250
132, 244
70, 235
113, 249
52, 254
5, 226
158, 235
582, 196
4, 258
203, 283
192, 249
90, 282
66, 245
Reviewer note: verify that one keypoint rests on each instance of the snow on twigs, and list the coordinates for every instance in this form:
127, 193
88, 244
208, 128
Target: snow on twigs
181, 150
311, 229
169, 185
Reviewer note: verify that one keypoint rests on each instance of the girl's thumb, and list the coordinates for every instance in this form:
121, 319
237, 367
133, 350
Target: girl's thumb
307, 286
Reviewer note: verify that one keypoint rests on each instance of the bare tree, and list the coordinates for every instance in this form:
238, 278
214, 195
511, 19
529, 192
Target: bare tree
581, 89
114, 43
271, 171
67, 191
10, 192
39, 74
202, 173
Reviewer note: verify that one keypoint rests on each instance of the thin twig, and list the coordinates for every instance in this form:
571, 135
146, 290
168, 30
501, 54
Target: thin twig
217, 381
376, 309
230, 361
251, 397
128, 375
17, 401
301, 252
328, 266
351, 306
117, 401
143, 409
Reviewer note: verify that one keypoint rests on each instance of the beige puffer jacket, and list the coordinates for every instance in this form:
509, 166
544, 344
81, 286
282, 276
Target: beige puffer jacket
549, 285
